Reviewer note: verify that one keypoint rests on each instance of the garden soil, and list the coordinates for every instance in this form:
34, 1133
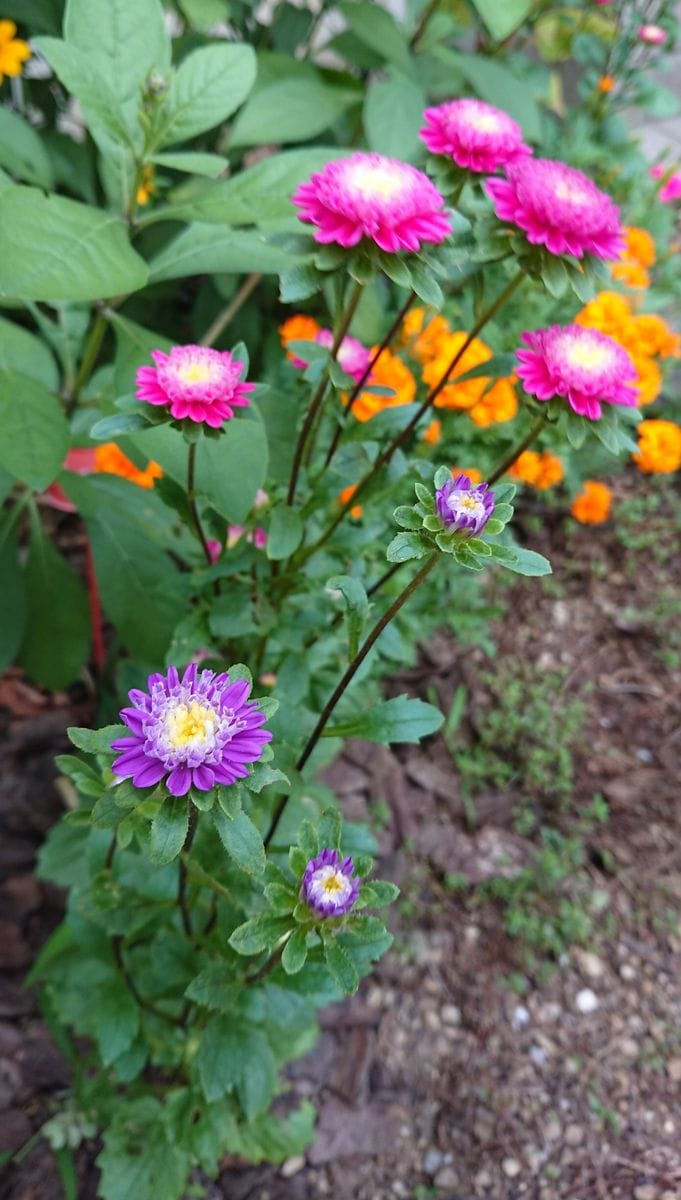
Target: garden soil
439, 1079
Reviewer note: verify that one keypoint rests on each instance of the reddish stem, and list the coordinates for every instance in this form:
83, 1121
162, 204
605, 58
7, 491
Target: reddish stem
98, 648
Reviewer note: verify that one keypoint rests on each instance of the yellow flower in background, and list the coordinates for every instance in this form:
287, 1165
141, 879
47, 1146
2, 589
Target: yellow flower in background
592, 505
389, 372
659, 447
497, 405
539, 470
423, 338
110, 460
637, 256
457, 395
646, 337
347, 494
654, 337
13, 52
605, 84
472, 473
648, 379
433, 432
147, 186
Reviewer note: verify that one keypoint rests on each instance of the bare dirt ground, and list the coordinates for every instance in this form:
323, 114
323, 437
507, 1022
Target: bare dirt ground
440, 1080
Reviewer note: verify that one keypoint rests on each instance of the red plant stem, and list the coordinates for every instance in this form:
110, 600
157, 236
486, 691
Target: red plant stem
98, 648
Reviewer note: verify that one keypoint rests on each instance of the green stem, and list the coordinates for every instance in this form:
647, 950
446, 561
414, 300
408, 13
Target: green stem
182, 879
269, 964
191, 500
386, 455
366, 373
424, 20
223, 318
509, 459
117, 944
318, 398
347, 678
92, 347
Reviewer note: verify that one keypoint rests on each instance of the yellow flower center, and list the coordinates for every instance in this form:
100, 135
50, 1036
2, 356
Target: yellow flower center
375, 182
333, 884
189, 725
588, 354
196, 372
488, 122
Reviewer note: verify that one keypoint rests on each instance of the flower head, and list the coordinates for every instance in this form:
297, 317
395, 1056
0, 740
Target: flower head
347, 494
558, 207
659, 447
652, 35
592, 505
464, 508
369, 196
540, 470
471, 473
352, 356
477, 136
496, 405
298, 328
196, 383
671, 188
329, 885
197, 731
389, 372
638, 254
605, 84
423, 337
110, 460
13, 52
583, 366
433, 432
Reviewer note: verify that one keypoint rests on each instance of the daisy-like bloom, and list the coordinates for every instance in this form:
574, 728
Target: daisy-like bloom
471, 473
196, 731
671, 188
558, 207
464, 508
476, 135
539, 470
13, 52
585, 367
433, 432
110, 460
347, 494
369, 196
389, 372
329, 885
659, 447
652, 35
592, 505
195, 383
637, 256
495, 406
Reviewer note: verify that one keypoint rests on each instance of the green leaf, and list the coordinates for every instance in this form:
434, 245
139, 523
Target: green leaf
503, 19
169, 830
119, 424
57, 636
26, 354
357, 608
291, 110
405, 546
96, 741
393, 115
138, 1158
526, 562
113, 126
403, 719
259, 1074
208, 87
220, 1060
12, 603
204, 249
214, 987
192, 162
498, 85
341, 966
62, 250
377, 29
379, 893
555, 276
241, 840
258, 934
35, 433
285, 532
22, 151
203, 14
406, 518
117, 1019
295, 952
308, 839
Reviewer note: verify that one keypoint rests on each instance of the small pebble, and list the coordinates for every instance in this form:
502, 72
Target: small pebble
643, 754
538, 1055
511, 1167
586, 1001
674, 1069
627, 972
451, 1015
292, 1166
446, 1178
590, 963
521, 1017
432, 1161
647, 1191
574, 1135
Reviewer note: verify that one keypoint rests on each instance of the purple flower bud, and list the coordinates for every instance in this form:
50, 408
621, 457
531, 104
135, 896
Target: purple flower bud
463, 508
329, 886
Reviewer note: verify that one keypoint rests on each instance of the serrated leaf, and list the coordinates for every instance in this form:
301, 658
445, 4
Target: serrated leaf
116, 1019
295, 952
308, 839
403, 719
214, 987
258, 934
356, 605
341, 966
405, 546
379, 893
406, 518
169, 830
242, 841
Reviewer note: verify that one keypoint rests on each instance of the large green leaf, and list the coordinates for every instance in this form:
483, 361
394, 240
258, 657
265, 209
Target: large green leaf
169, 830
23, 352
203, 249
377, 28
403, 719
241, 840
35, 433
208, 87
503, 18
57, 635
22, 151
291, 110
117, 1019
393, 115
139, 1158
220, 1060
106, 118
52, 248
12, 603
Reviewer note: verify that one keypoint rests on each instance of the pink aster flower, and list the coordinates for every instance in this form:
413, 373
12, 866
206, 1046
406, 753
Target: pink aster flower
371, 196
194, 382
352, 356
476, 135
671, 189
587, 368
652, 35
558, 207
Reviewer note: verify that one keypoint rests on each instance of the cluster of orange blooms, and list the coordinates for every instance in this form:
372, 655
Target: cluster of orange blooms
645, 336
638, 255
592, 505
433, 344
110, 460
540, 470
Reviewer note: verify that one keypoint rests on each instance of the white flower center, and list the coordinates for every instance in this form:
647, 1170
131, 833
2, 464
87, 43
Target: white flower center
588, 354
375, 182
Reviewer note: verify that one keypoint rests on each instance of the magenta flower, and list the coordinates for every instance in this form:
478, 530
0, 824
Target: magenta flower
197, 731
558, 207
476, 135
671, 189
329, 885
587, 368
371, 196
352, 356
195, 382
652, 35
463, 508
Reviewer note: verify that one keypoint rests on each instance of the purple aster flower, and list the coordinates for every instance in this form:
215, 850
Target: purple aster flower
463, 508
329, 885
197, 731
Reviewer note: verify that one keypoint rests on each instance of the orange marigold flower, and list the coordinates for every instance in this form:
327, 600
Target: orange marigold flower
631, 274
423, 337
605, 84
654, 336
433, 432
497, 405
389, 372
648, 379
298, 328
457, 395
147, 186
609, 312
592, 505
110, 460
473, 473
659, 447
347, 494
539, 470
13, 52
